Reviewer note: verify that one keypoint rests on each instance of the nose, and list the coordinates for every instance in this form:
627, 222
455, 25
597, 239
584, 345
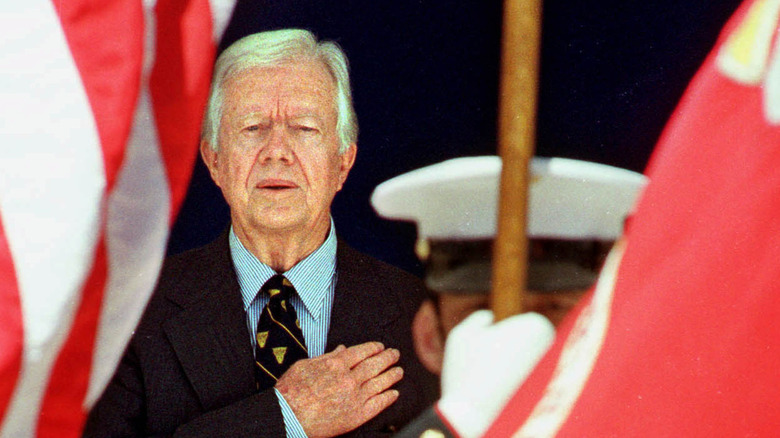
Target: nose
278, 147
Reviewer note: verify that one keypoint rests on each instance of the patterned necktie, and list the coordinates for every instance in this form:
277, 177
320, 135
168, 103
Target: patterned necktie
280, 340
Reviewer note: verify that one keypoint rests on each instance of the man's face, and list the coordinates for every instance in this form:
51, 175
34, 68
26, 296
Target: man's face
555, 306
278, 164
454, 308
432, 323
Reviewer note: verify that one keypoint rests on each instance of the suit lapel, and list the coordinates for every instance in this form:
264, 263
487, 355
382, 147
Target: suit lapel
209, 335
363, 306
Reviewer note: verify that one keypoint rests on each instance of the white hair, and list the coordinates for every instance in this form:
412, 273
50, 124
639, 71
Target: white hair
272, 48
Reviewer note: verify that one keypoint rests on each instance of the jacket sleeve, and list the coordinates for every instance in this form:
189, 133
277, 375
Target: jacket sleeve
121, 412
257, 415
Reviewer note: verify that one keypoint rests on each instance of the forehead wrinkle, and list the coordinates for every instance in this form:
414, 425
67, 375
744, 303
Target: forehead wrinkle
273, 94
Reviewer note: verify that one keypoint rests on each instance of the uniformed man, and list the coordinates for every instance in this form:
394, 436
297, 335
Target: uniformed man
577, 210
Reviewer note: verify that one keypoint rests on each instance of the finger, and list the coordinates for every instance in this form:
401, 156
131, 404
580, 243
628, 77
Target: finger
333, 353
372, 366
379, 403
337, 350
358, 353
382, 382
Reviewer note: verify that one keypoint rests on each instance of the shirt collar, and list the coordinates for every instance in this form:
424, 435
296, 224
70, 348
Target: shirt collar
312, 277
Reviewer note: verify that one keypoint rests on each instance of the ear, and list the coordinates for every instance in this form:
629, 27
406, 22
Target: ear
347, 160
428, 342
209, 156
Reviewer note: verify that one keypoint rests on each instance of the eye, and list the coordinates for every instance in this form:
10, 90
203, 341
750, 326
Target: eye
254, 128
304, 125
306, 129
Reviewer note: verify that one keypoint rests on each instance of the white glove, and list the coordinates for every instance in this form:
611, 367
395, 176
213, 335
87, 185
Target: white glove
484, 363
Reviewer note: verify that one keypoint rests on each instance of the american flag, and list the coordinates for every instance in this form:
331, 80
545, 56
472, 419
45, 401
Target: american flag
100, 118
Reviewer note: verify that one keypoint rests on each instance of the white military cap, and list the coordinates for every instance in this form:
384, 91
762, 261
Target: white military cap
455, 203
458, 198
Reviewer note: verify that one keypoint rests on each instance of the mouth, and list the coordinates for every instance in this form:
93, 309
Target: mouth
273, 184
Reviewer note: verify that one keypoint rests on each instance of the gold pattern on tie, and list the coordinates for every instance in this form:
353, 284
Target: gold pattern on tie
261, 338
280, 341
279, 353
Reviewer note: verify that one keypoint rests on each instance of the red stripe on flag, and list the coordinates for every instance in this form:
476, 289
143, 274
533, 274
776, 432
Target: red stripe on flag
106, 41
12, 334
179, 86
62, 415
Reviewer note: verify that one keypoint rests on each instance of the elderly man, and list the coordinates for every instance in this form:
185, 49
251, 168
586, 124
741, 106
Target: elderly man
277, 328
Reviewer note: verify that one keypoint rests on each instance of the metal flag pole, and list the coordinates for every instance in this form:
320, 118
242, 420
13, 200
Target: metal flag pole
518, 87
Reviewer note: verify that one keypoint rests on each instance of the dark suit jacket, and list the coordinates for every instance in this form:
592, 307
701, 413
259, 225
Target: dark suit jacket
188, 370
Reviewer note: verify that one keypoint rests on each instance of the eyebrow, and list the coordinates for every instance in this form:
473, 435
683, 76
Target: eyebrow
257, 115
313, 117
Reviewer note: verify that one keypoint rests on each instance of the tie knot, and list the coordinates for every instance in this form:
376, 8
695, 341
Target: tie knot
278, 287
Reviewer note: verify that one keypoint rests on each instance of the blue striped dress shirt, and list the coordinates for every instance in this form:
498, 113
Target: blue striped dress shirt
314, 279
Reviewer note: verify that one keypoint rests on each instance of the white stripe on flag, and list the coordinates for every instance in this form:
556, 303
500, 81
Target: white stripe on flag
221, 11
137, 232
51, 213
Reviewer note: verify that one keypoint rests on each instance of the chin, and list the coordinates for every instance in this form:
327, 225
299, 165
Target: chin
280, 224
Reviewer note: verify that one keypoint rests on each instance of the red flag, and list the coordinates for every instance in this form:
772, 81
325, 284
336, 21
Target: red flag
100, 123
682, 335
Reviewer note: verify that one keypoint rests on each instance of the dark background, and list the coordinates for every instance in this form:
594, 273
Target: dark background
425, 86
